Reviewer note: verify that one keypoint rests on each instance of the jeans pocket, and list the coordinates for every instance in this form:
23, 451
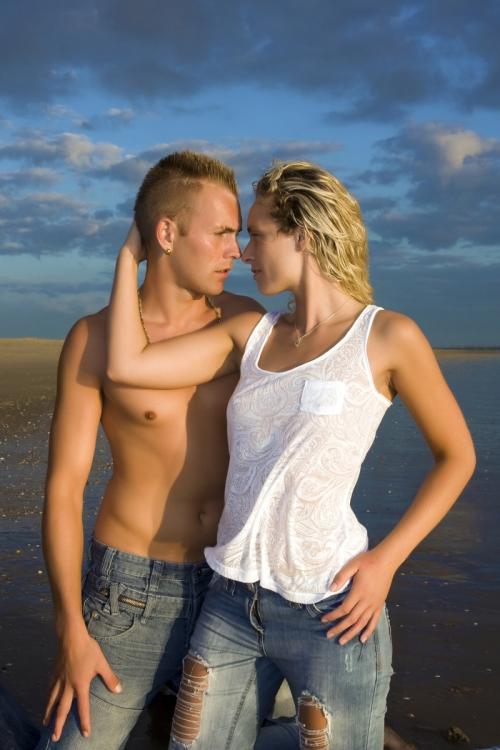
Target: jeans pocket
104, 625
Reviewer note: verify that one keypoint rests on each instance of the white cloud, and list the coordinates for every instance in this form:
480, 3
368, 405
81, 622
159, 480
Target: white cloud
81, 153
119, 114
75, 150
456, 146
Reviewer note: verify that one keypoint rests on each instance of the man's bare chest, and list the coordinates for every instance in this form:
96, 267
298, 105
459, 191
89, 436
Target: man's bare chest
163, 408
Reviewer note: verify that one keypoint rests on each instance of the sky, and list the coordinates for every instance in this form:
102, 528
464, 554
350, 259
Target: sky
400, 100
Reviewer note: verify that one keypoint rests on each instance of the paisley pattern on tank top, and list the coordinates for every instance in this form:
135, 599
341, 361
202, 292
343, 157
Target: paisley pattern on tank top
297, 441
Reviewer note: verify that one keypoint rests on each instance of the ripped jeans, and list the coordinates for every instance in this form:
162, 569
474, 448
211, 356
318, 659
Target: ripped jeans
245, 641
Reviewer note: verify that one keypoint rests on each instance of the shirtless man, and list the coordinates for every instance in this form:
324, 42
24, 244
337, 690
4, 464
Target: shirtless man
161, 506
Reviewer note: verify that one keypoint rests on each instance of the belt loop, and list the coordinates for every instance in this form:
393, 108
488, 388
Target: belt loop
114, 590
153, 585
107, 561
88, 562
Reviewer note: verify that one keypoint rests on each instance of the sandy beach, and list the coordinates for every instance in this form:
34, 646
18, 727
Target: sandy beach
443, 606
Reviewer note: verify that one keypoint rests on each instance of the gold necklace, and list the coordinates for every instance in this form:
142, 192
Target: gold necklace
139, 300
217, 310
209, 301
299, 338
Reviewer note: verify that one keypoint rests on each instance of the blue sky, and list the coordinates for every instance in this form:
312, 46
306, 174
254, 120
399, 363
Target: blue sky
400, 100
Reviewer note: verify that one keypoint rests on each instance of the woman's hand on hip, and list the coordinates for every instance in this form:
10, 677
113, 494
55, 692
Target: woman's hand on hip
360, 610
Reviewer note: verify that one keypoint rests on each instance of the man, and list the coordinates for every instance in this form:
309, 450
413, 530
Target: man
162, 504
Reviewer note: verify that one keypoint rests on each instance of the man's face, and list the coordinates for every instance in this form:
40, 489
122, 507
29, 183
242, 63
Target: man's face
204, 253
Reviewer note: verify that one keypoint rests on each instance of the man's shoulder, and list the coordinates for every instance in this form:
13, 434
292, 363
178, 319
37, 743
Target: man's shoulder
85, 342
235, 304
89, 327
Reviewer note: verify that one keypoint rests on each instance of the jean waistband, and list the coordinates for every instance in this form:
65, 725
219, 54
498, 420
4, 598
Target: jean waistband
105, 559
230, 584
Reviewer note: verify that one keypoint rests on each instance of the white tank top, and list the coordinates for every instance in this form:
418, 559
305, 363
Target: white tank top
297, 440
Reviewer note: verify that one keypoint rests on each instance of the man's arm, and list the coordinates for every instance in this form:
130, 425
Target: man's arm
72, 443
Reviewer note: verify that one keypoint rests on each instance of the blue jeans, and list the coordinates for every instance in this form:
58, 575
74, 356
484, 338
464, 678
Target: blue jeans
142, 613
246, 640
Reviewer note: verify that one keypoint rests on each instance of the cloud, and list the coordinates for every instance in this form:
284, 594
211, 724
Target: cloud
118, 114
63, 112
52, 224
430, 187
74, 150
41, 223
247, 157
28, 178
448, 181
367, 60
455, 147
114, 117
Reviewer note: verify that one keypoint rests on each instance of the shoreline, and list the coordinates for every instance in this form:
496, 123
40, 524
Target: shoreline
7, 341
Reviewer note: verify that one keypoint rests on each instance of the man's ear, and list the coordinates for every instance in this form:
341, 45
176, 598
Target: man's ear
166, 230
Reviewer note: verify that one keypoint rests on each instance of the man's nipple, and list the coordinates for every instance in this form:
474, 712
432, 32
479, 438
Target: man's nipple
150, 415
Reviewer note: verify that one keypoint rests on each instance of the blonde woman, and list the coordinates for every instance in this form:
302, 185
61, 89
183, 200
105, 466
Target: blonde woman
299, 594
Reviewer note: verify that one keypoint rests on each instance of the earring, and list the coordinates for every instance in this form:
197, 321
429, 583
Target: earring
167, 250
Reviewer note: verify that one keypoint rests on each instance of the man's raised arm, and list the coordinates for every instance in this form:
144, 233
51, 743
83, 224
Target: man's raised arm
72, 444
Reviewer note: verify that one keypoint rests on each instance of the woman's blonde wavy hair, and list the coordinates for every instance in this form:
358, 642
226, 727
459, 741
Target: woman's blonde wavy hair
304, 196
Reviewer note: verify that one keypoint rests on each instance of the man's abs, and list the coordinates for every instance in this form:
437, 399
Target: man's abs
169, 468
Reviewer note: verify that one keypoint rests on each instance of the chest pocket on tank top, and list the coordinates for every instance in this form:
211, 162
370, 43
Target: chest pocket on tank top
322, 397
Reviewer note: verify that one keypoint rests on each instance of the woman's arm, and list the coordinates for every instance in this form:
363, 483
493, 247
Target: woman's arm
416, 377
182, 361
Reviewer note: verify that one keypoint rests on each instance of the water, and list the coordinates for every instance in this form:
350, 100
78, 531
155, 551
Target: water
463, 548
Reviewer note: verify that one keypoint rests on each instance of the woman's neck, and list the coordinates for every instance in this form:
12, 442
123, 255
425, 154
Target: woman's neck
317, 298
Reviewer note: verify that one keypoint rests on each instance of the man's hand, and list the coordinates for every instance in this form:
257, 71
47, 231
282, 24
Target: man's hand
80, 659
359, 612
134, 245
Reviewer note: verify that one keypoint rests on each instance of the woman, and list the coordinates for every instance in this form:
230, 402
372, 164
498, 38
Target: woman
299, 594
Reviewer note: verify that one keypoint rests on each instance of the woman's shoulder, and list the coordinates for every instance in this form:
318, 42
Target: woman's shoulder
392, 324
398, 335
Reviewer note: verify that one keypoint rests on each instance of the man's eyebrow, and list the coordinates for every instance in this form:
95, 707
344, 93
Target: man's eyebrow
224, 228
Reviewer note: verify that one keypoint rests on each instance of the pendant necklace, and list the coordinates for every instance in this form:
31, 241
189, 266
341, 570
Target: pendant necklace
300, 337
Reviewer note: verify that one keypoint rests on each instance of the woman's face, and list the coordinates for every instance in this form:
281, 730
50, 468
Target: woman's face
273, 256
